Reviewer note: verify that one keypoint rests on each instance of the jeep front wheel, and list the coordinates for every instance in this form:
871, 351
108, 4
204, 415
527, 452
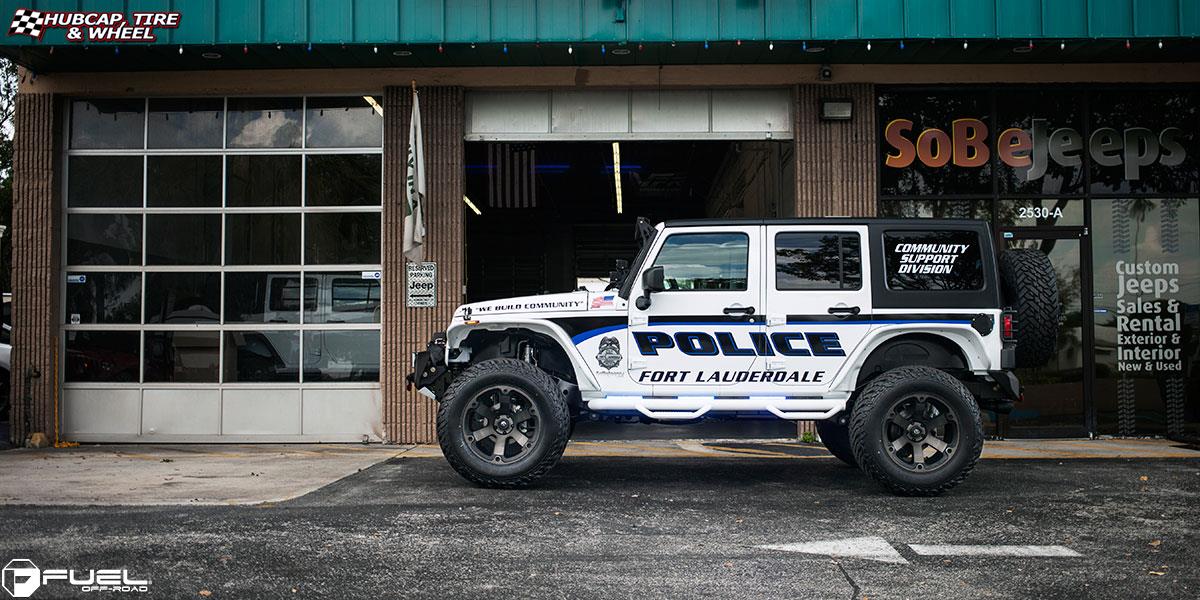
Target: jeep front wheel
503, 423
916, 430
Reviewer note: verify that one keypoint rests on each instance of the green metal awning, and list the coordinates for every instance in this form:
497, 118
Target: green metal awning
361, 33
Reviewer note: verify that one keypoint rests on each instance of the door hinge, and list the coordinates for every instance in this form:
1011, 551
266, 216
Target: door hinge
775, 365
635, 365
639, 320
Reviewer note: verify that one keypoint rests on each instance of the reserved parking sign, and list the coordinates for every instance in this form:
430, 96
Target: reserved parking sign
422, 285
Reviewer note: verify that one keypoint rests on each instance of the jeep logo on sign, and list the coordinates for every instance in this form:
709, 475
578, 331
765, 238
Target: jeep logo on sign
610, 353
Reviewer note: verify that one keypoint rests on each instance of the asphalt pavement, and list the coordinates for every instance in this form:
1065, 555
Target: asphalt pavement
669, 525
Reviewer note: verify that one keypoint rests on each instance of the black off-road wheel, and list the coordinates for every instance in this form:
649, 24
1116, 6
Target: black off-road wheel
1031, 288
835, 434
916, 430
503, 423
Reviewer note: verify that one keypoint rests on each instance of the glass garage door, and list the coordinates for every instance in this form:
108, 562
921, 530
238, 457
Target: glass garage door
222, 269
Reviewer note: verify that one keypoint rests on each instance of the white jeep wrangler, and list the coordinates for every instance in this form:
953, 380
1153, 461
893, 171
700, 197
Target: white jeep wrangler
890, 334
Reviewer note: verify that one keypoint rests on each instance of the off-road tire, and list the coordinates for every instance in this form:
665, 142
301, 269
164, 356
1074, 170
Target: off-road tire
552, 410
870, 412
1031, 288
835, 434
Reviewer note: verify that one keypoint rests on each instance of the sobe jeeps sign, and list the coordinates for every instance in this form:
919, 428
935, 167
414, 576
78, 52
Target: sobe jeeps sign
967, 145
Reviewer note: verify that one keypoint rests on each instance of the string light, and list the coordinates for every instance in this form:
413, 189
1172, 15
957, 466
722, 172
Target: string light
310, 46
603, 50
901, 44
706, 44
116, 49
570, 49
181, 49
506, 48
245, 49
739, 42
868, 45
804, 46
440, 49
1062, 45
1160, 44
375, 49
1128, 45
964, 44
770, 45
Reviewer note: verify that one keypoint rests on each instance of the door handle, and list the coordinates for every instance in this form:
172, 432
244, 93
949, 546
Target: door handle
844, 310
739, 310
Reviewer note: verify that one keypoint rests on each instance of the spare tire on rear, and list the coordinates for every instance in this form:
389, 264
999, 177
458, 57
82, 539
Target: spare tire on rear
1031, 289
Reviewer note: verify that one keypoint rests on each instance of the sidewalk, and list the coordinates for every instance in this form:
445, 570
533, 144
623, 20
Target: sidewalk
253, 474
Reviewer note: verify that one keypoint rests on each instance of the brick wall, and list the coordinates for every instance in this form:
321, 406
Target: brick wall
409, 417
835, 160
35, 254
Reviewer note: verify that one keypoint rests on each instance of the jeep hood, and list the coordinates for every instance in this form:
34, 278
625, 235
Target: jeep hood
546, 303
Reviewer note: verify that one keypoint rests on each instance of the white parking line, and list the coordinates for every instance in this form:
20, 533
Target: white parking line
990, 550
869, 548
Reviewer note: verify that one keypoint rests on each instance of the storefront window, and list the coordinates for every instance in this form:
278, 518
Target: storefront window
183, 181
932, 143
262, 180
350, 122
185, 123
1103, 180
1147, 314
104, 181
173, 255
1038, 141
1039, 212
108, 123
263, 122
1145, 143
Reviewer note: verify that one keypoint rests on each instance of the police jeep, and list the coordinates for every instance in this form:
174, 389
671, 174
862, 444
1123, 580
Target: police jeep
892, 335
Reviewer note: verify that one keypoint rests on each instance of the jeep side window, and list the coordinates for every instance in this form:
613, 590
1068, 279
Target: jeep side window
817, 261
705, 261
933, 260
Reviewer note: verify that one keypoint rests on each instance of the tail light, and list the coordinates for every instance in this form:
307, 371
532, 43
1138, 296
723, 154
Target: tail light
1007, 329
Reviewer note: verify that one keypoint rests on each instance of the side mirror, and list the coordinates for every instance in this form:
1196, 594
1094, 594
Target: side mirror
653, 280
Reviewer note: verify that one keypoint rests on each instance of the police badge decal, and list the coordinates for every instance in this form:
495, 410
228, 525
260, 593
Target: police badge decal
610, 353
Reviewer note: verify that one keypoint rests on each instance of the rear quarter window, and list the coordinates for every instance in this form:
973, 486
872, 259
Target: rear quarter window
933, 260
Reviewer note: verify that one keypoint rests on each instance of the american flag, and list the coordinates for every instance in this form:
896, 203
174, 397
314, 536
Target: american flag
511, 180
603, 301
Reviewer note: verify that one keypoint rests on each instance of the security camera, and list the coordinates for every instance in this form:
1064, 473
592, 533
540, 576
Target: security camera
825, 73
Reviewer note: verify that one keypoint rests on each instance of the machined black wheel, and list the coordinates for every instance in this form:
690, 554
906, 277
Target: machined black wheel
503, 423
921, 432
916, 430
500, 424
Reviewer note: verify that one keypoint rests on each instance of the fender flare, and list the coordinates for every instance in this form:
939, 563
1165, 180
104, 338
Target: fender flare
457, 334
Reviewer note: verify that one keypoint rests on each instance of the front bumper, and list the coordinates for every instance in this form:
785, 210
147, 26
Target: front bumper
429, 374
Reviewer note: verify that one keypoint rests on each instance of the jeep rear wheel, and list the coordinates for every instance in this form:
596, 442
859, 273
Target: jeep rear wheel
916, 430
835, 434
1031, 288
503, 423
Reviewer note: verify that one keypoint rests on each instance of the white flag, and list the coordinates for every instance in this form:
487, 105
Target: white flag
414, 219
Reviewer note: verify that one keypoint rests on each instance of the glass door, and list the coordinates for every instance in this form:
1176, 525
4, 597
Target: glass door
1056, 394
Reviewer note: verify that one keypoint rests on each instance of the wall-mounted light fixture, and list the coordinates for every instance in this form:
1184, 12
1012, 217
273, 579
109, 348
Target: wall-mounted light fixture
836, 109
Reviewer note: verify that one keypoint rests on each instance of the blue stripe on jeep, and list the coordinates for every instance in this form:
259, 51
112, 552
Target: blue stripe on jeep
579, 338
